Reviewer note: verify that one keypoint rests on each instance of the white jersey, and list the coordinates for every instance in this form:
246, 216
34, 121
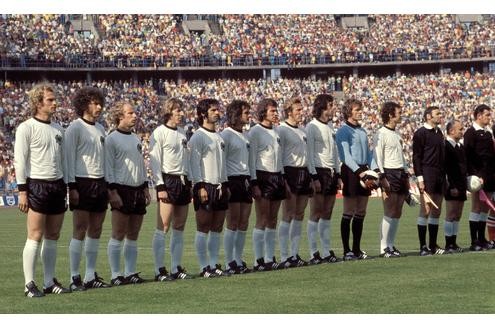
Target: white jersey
38, 151
84, 150
236, 151
322, 148
293, 144
207, 157
264, 150
388, 150
168, 152
124, 162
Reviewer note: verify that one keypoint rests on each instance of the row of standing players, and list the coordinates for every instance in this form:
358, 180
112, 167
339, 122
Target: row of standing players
224, 172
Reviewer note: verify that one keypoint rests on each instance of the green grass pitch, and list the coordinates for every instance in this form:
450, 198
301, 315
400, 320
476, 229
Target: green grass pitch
458, 283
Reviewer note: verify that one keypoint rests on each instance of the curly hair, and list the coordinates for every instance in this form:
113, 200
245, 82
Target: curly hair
85, 96
37, 93
117, 112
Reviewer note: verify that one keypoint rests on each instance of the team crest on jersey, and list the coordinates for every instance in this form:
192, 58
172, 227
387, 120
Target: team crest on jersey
184, 143
58, 139
102, 139
278, 140
222, 145
140, 148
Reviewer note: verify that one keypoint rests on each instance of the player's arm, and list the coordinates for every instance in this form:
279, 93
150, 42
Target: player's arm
110, 162
21, 158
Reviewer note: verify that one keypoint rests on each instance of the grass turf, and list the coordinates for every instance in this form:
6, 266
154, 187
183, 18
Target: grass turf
458, 283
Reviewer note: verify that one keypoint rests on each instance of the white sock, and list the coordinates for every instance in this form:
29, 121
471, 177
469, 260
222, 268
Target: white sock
239, 240
483, 217
228, 245
475, 217
49, 259
270, 236
422, 221
75, 251
91, 248
448, 228
201, 252
295, 236
158, 246
283, 239
384, 231
29, 257
258, 244
113, 251
456, 227
324, 231
176, 247
394, 226
434, 221
312, 242
213, 247
130, 257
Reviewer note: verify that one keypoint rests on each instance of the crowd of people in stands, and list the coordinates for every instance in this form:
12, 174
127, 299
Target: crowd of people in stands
160, 40
456, 94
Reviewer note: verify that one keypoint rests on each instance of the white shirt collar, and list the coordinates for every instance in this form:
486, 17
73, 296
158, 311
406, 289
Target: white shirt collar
427, 126
477, 127
452, 141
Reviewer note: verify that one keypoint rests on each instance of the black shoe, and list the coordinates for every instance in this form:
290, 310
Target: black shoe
489, 245
232, 268
316, 259
244, 269
32, 290
208, 273
134, 279
457, 249
119, 281
56, 288
387, 253
76, 285
361, 255
219, 272
181, 274
349, 256
274, 265
163, 275
396, 251
261, 265
424, 251
97, 282
331, 258
298, 261
475, 247
437, 250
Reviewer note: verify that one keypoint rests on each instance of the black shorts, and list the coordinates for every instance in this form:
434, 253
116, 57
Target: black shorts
240, 189
352, 185
299, 180
328, 181
217, 197
178, 189
47, 197
133, 200
272, 185
434, 180
93, 195
398, 180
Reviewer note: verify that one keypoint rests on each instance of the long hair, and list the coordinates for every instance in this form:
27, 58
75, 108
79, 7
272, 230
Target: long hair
234, 111
202, 108
263, 107
321, 103
167, 106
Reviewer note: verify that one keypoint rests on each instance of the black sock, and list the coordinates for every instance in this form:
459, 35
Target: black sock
448, 241
481, 231
357, 232
422, 235
473, 230
345, 231
433, 232
454, 239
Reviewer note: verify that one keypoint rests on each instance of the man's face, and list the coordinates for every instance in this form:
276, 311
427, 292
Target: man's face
245, 116
176, 115
484, 118
271, 114
213, 114
296, 113
356, 113
328, 113
436, 116
49, 103
129, 117
94, 109
397, 116
457, 131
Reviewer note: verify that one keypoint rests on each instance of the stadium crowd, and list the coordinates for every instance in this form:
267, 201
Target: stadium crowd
456, 94
159, 40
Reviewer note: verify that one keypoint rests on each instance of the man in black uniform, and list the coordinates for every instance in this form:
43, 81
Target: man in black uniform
429, 168
478, 141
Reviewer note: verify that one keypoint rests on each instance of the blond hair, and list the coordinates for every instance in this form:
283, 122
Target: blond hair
117, 112
36, 95
289, 103
167, 106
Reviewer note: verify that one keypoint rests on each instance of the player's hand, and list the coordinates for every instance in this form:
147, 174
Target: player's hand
454, 192
73, 197
421, 186
340, 184
203, 195
163, 196
385, 185
424, 203
316, 186
256, 192
147, 196
23, 201
114, 199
